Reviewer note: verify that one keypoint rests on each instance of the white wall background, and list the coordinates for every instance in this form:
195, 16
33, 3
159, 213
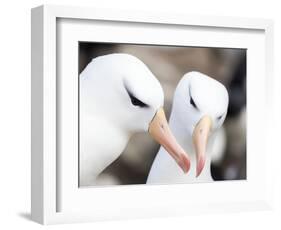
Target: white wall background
15, 113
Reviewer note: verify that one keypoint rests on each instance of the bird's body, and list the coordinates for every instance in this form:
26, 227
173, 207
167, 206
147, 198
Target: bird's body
97, 152
199, 109
119, 96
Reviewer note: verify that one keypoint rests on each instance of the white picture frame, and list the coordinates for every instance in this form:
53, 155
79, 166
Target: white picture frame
50, 205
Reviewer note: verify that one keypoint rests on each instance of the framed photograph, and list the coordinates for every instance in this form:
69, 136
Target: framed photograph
139, 115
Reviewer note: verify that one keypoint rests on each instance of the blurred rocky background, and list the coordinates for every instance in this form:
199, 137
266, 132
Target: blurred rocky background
169, 64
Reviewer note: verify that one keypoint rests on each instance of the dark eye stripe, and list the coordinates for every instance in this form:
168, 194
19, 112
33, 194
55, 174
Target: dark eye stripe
193, 103
135, 101
191, 100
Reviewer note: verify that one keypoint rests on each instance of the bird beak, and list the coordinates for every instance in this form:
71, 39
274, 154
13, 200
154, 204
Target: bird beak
200, 140
160, 131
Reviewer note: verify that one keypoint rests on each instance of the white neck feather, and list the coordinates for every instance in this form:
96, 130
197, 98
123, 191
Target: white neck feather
100, 144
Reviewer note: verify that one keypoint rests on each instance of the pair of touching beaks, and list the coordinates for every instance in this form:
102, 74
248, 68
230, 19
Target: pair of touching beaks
160, 131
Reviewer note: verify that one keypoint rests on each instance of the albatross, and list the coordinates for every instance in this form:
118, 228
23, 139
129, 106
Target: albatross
119, 96
199, 109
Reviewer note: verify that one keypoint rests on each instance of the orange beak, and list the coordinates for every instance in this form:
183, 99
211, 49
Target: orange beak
160, 131
200, 140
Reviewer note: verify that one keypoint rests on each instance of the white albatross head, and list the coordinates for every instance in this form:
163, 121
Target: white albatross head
124, 91
200, 107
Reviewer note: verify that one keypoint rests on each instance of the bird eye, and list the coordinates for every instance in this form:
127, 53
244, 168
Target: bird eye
192, 102
135, 101
219, 117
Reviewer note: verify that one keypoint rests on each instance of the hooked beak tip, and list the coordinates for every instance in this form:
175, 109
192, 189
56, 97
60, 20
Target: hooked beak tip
200, 141
200, 166
184, 163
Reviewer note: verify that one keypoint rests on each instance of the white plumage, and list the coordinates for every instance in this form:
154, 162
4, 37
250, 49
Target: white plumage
199, 109
118, 97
